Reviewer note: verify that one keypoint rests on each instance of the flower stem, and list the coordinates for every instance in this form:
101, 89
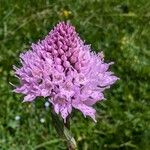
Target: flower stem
67, 124
63, 130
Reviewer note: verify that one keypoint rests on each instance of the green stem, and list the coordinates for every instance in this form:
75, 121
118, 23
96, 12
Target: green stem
67, 124
63, 130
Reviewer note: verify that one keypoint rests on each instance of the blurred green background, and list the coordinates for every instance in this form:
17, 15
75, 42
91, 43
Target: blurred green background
121, 28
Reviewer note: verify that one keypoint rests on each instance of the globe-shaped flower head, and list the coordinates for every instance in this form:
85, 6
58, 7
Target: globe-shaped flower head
62, 68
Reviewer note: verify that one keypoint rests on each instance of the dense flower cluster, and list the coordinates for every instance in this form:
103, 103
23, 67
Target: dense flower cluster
62, 68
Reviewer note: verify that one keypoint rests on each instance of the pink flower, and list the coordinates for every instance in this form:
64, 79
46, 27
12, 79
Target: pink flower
65, 70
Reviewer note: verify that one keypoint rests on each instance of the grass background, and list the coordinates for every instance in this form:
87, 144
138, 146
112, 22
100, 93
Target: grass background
121, 28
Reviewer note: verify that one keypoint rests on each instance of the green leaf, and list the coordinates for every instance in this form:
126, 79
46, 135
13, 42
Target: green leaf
70, 139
